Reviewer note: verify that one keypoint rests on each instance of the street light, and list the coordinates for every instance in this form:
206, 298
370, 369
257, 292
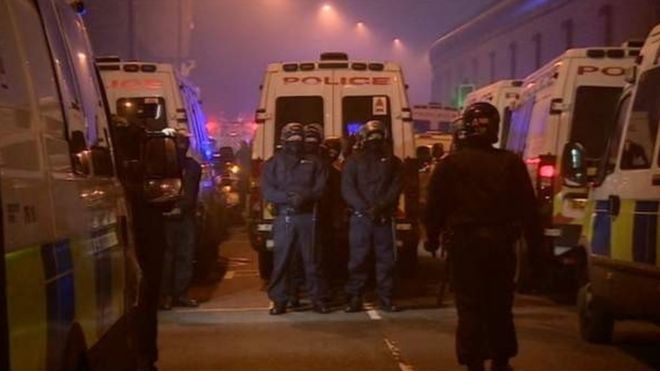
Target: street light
326, 7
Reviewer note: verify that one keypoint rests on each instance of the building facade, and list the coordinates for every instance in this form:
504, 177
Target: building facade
149, 30
513, 38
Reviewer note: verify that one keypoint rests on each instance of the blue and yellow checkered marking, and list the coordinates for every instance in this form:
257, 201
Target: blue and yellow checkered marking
631, 236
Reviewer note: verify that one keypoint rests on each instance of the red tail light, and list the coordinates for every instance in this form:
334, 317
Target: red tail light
547, 171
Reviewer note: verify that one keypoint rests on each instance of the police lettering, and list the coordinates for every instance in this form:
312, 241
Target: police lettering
608, 71
358, 80
136, 84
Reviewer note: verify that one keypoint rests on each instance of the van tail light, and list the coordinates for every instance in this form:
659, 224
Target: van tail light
547, 171
545, 185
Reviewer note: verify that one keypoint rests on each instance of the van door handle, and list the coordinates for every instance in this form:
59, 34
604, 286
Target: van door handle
615, 205
656, 179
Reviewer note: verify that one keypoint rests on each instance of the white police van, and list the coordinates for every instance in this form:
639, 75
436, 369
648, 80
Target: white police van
621, 230
503, 95
68, 275
342, 95
572, 98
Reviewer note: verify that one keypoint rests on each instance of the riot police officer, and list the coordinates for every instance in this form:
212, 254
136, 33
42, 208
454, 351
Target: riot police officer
294, 182
313, 136
482, 198
371, 184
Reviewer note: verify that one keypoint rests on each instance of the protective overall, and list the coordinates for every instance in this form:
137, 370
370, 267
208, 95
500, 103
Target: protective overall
313, 136
294, 182
482, 198
371, 184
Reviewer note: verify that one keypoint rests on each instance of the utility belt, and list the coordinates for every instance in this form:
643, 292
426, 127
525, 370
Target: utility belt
497, 231
381, 220
290, 211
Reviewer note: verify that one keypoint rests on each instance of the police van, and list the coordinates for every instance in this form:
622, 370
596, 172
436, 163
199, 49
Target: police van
622, 223
503, 95
157, 96
572, 98
342, 95
433, 117
68, 277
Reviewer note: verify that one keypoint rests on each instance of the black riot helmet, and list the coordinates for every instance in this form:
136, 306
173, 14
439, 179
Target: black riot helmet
372, 136
313, 137
480, 121
292, 132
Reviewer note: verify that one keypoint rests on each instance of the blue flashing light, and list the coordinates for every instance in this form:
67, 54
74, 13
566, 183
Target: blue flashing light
353, 128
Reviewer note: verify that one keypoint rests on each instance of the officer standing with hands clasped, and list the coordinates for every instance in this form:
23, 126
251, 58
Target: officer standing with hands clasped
482, 198
294, 182
371, 184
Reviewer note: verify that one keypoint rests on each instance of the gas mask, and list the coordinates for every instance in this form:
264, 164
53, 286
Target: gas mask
294, 147
374, 146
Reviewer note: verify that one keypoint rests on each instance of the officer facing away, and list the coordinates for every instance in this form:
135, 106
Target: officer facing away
371, 184
294, 182
481, 197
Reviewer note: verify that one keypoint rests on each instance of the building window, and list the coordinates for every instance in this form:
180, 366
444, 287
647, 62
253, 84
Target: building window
538, 52
567, 29
491, 56
513, 59
606, 14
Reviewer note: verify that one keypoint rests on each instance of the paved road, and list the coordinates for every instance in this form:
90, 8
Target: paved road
233, 331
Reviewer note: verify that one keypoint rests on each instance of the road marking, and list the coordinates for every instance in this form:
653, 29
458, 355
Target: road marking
373, 314
396, 353
229, 275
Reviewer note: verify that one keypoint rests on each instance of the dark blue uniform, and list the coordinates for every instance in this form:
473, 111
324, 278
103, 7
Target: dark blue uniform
371, 184
482, 198
304, 176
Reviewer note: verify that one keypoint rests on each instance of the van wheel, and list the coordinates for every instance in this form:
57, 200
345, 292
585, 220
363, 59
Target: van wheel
265, 264
596, 324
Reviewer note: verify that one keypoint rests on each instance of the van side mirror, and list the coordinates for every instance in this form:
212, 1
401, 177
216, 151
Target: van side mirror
161, 169
574, 165
80, 156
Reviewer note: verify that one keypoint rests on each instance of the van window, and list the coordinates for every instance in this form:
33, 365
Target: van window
595, 107
517, 137
617, 134
642, 129
358, 110
147, 112
302, 109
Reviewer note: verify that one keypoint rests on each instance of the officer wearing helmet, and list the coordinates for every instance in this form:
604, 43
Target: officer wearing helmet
294, 182
313, 137
371, 184
482, 200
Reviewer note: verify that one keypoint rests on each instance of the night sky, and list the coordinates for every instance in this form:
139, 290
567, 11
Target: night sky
234, 40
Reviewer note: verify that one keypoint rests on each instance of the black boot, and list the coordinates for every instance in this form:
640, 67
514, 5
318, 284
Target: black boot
388, 306
354, 305
321, 307
500, 364
277, 309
